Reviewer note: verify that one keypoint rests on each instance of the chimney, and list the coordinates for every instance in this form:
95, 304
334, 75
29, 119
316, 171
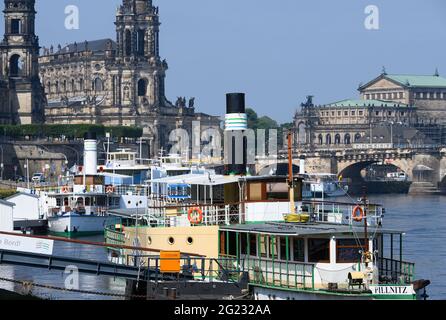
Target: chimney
90, 154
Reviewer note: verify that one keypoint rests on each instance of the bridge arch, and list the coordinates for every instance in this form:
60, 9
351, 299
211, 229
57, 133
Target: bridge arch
353, 169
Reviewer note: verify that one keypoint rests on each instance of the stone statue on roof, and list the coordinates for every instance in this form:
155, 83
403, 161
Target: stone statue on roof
309, 102
191, 102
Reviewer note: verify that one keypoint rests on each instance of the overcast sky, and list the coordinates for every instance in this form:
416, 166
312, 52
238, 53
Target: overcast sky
277, 52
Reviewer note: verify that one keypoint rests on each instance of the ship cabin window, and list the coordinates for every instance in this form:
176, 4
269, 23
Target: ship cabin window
244, 243
277, 190
15, 26
253, 245
222, 243
348, 250
268, 247
87, 201
101, 201
65, 202
231, 244
58, 202
319, 250
256, 192
298, 249
273, 247
284, 246
80, 201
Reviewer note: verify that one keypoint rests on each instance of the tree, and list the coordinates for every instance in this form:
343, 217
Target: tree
252, 118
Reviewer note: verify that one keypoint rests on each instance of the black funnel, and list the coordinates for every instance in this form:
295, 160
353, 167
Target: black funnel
90, 136
235, 103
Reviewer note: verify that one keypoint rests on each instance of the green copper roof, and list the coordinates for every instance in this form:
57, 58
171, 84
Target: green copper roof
418, 81
366, 103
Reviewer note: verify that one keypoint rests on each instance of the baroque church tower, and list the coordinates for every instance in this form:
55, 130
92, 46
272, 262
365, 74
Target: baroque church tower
19, 67
137, 39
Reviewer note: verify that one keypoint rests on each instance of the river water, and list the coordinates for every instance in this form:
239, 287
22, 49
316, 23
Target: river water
423, 218
58, 278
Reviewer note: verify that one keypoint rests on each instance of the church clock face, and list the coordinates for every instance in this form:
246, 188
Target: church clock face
98, 67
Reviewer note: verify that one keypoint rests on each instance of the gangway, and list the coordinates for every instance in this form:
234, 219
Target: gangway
62, 263
52, 262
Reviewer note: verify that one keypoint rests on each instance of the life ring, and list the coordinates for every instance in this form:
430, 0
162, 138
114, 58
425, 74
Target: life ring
355, 216
195, 215
64, 190
110, 189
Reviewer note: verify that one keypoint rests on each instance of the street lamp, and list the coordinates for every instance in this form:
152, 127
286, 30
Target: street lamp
27, 173
2, 164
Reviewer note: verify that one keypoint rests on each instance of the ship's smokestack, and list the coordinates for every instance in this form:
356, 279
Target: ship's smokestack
236, 123
90, 153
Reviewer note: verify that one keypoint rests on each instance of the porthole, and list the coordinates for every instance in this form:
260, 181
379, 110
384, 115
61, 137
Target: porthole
171, 240
190, 240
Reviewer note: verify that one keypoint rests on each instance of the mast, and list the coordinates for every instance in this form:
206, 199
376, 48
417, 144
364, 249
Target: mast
366, 237
290, 173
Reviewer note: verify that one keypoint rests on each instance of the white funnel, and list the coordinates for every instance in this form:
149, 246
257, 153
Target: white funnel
90, 154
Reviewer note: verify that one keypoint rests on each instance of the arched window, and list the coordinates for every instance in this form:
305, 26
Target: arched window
81, 84
15, 66
357, 137
328, 139
140, 42
347, 139
301, 133
73, 86
338, 139
64, 88
48, 87
321, 139
128, 43
142, 88
57, 86
98, 85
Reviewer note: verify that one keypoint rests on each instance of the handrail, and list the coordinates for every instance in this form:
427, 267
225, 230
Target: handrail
395, 270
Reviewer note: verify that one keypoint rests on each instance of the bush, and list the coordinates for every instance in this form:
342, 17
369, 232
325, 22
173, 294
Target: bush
68, 130
5, 193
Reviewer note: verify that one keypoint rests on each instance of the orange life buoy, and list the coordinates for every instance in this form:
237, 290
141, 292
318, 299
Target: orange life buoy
64, 189
195, 215
355, 215
110, 189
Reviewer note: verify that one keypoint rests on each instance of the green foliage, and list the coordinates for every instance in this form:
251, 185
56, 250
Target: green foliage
252, 118
67, 130
266, 123
5, 193
255, 122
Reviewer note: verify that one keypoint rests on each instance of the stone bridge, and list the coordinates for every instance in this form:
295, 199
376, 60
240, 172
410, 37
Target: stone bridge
431, 162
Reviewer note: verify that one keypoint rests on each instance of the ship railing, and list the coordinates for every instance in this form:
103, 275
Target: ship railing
393, 271
339, 212
132, 190
226, 268
208, 215
279, 273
